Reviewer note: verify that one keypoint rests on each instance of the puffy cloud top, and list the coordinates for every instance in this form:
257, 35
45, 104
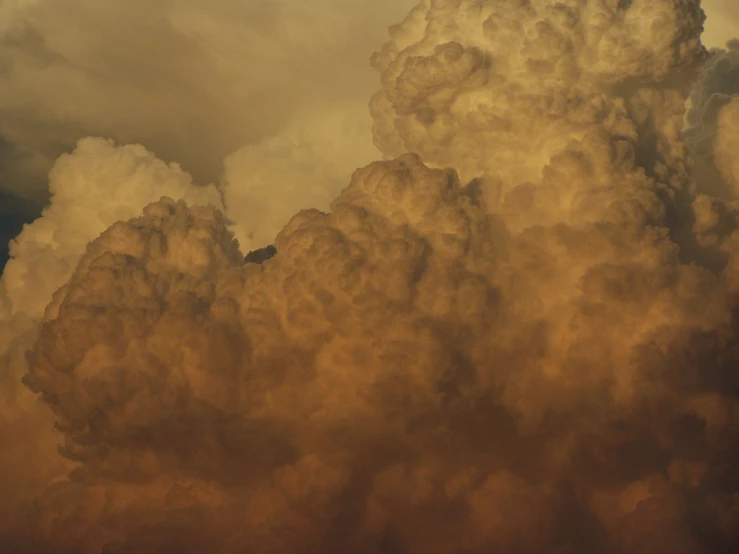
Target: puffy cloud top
387, 367
496, 88
517, 334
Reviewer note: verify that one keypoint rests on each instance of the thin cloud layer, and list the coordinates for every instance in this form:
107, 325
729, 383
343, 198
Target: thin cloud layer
520, 338
193, 80
722, 23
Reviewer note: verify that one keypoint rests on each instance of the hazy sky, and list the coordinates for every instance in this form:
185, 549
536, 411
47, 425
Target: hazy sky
722, 23
193, 81
501, 316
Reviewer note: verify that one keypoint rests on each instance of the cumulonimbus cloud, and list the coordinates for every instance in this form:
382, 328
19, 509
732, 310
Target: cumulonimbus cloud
519, 337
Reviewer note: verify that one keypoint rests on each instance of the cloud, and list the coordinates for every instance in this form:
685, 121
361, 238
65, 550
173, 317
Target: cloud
92, 188
193, 81
306, 165
379, 381
486, 93
12, 10
711, 117
518, 337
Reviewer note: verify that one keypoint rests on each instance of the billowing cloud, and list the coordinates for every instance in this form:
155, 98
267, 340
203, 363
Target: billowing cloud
519, 337
93, 187
306, 165
493, 94
712, 123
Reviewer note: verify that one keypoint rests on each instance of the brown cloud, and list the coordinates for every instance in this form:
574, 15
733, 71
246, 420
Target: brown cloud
532, 352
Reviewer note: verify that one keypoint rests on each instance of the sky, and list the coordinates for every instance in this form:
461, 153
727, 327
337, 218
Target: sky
234, 73
503, 311
193, 81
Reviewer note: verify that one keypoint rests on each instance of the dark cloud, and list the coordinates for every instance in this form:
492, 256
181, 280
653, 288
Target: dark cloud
14, 213
260, 255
